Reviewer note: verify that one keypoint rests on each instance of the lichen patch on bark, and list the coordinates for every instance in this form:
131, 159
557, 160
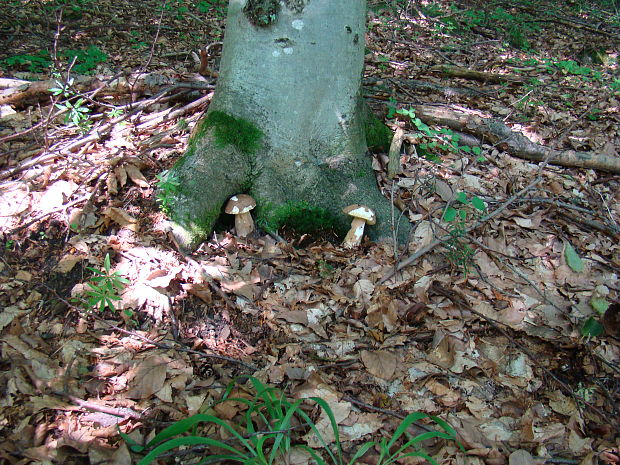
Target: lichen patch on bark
262, 13
296, 6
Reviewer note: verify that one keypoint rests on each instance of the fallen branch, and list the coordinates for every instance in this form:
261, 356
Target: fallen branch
457, 71
500, 135
19, 93
420, 85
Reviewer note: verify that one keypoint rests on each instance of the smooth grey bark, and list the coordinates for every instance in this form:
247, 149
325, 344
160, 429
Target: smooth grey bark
297, 79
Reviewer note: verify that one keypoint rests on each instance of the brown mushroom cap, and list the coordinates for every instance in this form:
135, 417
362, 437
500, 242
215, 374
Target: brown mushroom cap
238, 204
361, 211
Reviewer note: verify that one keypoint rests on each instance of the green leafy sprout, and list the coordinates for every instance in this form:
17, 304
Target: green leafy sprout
459, 253
167, 186
268, 434
105, 287
74, 108
433, 139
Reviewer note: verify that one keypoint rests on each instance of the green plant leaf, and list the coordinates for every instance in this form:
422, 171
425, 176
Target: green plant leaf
599, 304
361, 451
572, 259
591, 328
449, 215
478, 203
186, 424
462, 197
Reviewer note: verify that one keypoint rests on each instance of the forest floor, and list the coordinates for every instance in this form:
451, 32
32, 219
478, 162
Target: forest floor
503, 318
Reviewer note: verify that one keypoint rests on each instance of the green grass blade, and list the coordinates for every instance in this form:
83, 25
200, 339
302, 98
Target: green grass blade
191, 441
444, 425
422, 437
325, 406
186, 424
316, 457
361, 451
284, 424
404, 425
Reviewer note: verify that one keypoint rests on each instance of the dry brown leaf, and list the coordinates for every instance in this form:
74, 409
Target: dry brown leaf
121, 175
444, 190
112, 184
161, 278
380, 363
66, 263
147, 377
56, 195
562, 404
200, 290
294, 316
359, 425
520, 457
8, 314
227, 410
136, 176
122, 218
579, 445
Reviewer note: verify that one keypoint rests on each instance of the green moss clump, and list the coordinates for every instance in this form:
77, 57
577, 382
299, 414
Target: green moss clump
228, 130
300, 217
191, 231
378, 135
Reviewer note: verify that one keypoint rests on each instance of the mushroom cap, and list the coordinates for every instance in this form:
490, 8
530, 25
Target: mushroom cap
238, 204
361, 211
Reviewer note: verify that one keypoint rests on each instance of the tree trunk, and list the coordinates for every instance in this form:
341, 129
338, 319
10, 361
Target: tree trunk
286, 122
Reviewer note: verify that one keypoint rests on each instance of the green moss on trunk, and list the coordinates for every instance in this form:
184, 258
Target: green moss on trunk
229, 130
378, 135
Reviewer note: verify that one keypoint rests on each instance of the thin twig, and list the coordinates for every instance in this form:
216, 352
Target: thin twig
424, 250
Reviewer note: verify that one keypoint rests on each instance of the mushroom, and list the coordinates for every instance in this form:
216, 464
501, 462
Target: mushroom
240, 206
362, 215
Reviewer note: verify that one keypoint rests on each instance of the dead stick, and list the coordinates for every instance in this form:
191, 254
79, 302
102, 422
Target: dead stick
424, 250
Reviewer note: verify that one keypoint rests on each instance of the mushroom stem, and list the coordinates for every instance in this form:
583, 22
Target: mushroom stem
354, 236
244, 224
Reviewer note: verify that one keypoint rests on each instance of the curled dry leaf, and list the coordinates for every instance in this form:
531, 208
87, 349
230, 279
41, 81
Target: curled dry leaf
136, 176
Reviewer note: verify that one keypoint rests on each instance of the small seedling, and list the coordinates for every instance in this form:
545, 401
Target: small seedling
114, 113
433, 139
105, 287
326, 271
460, 253
76, 112
167, 186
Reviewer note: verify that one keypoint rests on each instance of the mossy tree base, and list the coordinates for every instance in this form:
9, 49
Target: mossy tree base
296, 84
284, 187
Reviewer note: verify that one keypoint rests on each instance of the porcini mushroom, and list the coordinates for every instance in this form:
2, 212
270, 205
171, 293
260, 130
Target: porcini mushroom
362, 216
240, 206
